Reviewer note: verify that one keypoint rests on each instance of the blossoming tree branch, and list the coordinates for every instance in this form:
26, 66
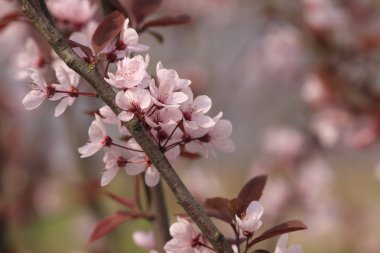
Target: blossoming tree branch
158, 120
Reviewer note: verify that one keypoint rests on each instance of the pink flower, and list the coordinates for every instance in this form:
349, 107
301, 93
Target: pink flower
185, 238
133, 101
281, 246
171, 76
165, 94
98, 138
29, 57
75, 11
250, 220
68, 82
129, 40
164, 117
130, 72
40, 91
109, 117
210, 140
193, 111
140, 164
114, 159
144, 239
84, 37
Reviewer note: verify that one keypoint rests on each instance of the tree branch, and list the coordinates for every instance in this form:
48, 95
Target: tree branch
105, 92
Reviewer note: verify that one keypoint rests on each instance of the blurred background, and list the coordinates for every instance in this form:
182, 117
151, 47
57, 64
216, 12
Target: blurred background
300, 82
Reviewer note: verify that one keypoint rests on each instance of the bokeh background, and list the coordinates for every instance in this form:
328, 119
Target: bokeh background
300, 81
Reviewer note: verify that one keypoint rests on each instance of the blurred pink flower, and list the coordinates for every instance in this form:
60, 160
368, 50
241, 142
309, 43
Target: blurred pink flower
250, 220
29, 57
144, 239
77, 12
281, 246
129, 40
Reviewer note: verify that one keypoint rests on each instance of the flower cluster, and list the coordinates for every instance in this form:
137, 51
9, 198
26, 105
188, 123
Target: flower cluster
165, 105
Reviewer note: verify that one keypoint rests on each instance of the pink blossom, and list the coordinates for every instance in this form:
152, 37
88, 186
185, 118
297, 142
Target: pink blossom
84, 37
40, 91
29, 57
109, 117
98, 138
133, 101
75, 11
130, 72
281, 246
68, 82
250, 220
144, 239
185, 238
129, 40
193, 111
140, 164
164, 117
215, 138
114, 159
165, 95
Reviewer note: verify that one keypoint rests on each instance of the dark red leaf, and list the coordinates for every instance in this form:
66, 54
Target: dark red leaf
219, 208
139, 9
107, 30
85, 49
123, 201
167, 21
108, 224
8, 18
250, 192
286, 227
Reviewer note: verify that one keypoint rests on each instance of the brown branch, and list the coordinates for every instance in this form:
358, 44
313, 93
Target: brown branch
105, 92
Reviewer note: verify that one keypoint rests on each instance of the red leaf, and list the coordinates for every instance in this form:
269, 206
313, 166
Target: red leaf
139, 9
250, 192
167, 21
8, 18
123, 201
286, 227
108, 224
107, 30
220, 208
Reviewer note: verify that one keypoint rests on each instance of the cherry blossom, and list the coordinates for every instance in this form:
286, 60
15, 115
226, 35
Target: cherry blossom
114, 159
250, 220
133, 101
84, 37
171, 76
281, 246
212, 139
165, 95
40, 91
140, 164
164, 117
77, 12
109, 117
68, 82
129, 40
29, 57
185, 238
98, 138
193, 111
130, 72
145, 240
